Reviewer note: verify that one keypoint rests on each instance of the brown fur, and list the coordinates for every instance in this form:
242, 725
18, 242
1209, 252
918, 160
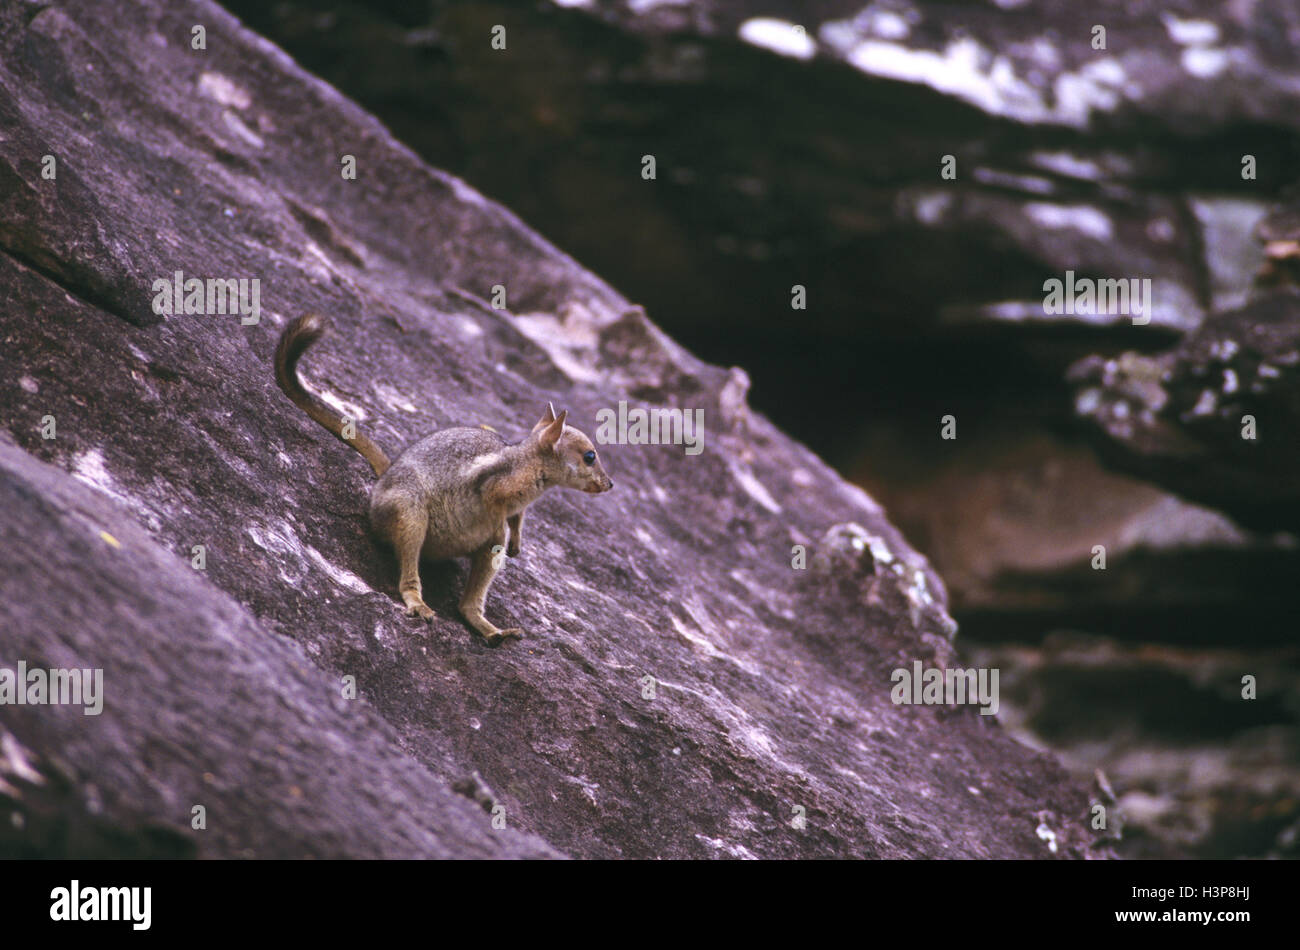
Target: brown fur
301, 333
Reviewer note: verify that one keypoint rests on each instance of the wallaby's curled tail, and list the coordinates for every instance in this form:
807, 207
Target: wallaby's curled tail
301, 333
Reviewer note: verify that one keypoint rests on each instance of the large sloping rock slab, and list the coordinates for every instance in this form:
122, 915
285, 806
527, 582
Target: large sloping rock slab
201, 706
768, 687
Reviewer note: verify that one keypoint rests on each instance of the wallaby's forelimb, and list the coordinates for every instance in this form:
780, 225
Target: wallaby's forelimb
484, 566
516, 524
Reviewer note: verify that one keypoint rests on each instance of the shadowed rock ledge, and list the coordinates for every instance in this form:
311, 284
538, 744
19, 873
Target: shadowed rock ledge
1213, 418
770, 686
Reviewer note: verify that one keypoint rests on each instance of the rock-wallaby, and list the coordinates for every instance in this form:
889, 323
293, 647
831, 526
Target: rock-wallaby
456, 492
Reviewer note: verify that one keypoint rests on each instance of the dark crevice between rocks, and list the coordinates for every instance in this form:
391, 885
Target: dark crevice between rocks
85, 286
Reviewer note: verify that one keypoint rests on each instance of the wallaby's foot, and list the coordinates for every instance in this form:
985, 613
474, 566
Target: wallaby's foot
512, 548
501, 636
489, 631
418, 608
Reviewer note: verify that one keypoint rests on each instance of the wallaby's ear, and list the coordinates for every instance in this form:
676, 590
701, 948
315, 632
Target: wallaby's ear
551, 434
547, 417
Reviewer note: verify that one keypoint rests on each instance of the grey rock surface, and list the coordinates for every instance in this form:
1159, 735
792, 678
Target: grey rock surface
803, 144
202, 708
770, 686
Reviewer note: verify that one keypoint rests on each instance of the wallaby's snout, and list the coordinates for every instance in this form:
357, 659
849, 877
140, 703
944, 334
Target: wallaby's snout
603, 482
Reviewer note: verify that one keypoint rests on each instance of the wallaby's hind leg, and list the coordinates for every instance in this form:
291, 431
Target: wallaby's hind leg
482, 569
408, 538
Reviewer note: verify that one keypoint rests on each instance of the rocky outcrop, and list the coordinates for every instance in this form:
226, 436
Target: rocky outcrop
1066, 156
1183, 765
807, 145
1152, 151
1034, 532
683, 691
1215, 417
1108, 153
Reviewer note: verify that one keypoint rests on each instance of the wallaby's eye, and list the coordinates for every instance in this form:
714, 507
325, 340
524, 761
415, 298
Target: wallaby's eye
589, 458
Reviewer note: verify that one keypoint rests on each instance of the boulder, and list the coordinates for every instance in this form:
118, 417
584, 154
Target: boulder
683, 690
